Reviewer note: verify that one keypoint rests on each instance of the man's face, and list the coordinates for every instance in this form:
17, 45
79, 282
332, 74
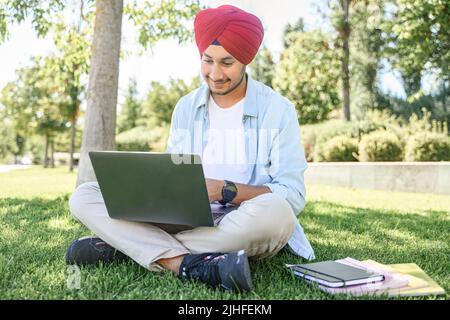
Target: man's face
221, 71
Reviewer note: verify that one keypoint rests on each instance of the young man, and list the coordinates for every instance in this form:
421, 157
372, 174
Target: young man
249, 140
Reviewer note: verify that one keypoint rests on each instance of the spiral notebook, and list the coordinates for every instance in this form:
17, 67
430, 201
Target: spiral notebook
334, 274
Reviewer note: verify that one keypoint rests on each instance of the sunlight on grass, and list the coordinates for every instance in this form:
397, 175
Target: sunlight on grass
389, 227
60, 223
379, 199
37, 182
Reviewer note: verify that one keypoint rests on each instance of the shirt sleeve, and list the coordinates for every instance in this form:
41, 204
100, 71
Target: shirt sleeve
287, 162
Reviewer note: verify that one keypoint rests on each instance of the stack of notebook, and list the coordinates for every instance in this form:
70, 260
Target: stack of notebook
350, 276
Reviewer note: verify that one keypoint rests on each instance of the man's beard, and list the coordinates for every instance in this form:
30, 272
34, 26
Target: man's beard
232, 88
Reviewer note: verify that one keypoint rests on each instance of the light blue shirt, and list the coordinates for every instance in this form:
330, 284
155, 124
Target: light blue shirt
272, 144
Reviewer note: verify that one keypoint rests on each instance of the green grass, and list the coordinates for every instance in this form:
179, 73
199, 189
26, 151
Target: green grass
389, 227
37, 182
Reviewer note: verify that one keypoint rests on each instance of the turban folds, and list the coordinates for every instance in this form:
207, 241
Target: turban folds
238, 32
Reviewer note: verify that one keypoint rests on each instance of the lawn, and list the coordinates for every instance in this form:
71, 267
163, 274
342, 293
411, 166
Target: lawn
388, 227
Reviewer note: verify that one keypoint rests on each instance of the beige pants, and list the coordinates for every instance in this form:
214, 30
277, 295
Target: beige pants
261, 226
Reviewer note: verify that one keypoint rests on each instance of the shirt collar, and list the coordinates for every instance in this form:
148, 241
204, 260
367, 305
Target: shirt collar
250, 108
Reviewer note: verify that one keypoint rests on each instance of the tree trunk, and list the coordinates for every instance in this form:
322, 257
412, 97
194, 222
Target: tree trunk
46, 152
444, 107
444, 97
52, 153
100, 122
345, 61
412, 82
72, 140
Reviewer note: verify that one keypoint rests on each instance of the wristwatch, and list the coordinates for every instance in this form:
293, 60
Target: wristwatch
229, 191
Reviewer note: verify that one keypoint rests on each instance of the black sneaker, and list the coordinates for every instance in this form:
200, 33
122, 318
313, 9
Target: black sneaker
92, 250
229, 271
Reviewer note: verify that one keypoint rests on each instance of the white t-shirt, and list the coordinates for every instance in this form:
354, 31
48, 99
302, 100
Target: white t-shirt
224, 154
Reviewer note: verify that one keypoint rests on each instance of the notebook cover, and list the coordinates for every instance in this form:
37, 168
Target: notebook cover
432, 288
332, 271
392, 279
401, 280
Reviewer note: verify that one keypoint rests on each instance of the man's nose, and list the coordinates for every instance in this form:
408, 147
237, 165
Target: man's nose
216, 73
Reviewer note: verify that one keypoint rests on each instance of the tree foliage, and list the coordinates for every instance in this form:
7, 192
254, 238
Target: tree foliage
157, 20
263, 67
366, 47
33, 102
419, 36
41, 12
340, 19
308, 75
131, 112
291, 31
161, 100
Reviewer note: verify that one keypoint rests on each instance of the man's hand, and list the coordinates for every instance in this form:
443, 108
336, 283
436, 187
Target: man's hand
214, 189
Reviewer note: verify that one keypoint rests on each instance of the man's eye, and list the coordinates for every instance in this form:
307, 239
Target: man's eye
207, 61
227, 63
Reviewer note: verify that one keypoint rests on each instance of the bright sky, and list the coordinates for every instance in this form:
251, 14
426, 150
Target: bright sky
168, 59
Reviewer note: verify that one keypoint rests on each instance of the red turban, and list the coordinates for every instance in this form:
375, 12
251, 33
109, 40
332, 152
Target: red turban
237, 31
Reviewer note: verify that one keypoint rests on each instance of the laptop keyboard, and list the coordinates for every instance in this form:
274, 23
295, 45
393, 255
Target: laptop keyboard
219, 211
218, 216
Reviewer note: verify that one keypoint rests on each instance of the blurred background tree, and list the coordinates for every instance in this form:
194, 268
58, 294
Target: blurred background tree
34, 104
418, 36
312, 86
262, 67
331, 71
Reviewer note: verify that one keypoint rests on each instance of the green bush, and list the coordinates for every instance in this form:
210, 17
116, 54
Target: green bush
389, 148
331, 129
308, 142
315, 136
158, 139
363, 127
339, 148
428, 146
376, 120
380, 146
142, 139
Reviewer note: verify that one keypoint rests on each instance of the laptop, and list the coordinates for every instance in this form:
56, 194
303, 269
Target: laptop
152, 187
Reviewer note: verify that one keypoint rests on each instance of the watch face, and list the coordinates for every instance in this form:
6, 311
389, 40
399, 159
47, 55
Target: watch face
229, 191
231, 187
